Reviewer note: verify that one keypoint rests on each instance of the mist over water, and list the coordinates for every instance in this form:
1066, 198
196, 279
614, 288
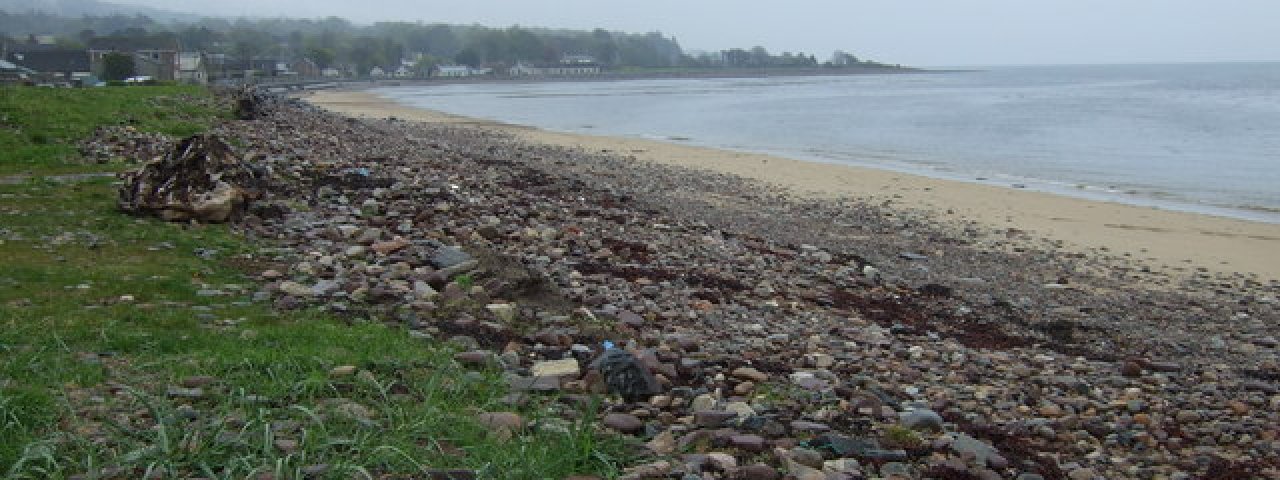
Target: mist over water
1195, 137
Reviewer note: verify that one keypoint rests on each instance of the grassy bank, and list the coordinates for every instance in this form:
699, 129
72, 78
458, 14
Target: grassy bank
40, 127
132, 346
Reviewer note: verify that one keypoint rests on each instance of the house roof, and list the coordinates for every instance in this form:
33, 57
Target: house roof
6, 66
52, 60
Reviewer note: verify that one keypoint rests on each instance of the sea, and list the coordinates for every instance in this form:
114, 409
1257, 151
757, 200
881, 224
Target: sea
1201, 138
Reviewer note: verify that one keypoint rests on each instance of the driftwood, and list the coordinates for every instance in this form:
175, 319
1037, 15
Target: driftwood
201, 179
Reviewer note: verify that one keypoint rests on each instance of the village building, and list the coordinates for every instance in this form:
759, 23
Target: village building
53, 65
452, 71
193, 68
152, 57
13, 74
569, 66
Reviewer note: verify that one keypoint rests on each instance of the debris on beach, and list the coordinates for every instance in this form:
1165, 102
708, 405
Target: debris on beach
115, 143
200, 179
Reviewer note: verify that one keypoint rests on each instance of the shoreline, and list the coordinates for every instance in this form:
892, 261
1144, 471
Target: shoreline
1171, 241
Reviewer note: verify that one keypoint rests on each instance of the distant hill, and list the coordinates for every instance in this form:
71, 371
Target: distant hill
77, 8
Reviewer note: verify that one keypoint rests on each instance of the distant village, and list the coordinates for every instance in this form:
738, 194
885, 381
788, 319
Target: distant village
40, 60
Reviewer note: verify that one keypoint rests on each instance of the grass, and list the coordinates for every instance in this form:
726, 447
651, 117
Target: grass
39, 127
107, 322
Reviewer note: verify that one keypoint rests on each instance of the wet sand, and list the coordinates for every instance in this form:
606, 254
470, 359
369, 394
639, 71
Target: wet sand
1160, 239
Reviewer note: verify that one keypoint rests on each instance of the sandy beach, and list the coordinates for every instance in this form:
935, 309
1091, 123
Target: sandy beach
1162, 240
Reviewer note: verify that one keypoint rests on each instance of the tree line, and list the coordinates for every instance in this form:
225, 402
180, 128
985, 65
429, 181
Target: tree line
337, 42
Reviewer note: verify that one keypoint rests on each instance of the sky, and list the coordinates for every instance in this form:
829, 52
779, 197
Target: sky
909, 32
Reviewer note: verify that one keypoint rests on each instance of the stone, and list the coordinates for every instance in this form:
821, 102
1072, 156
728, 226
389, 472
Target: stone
923, 420
841, 465
722, 461
658, 469
713, 418
190, 393
295, 289
476, 358
703, 402
501, 420
1131, 369
389, 247
809, 427
449, 257
748, 373
504, 312
556, 368
343, 371
534, 384
623, 422
750, 443
742, 409
967, 446
757, 471
663, 443
197, 381
1082, 474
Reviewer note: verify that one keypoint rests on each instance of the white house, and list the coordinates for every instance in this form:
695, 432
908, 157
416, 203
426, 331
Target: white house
453, 71
331, 72
192, 68
377, 72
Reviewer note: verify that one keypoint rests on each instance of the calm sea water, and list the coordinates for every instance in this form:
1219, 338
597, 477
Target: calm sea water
1203, 138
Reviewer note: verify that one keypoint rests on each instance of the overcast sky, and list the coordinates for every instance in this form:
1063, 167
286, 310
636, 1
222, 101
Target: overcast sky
916, 32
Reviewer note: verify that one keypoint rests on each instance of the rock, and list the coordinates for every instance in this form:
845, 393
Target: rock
449, 257
197, 381
501, 420
663, 443
556, 368
923, 420
741, 409
967, 446
713, 418
1131, 369
647, 471
295, 289
476, 358
534, 384
201, 179
623, 422
757, 471
722, 461
809, 427
504, 312
703, 402
1083, 474
750, 443
342, 371
748, 373
389, 247
190, 393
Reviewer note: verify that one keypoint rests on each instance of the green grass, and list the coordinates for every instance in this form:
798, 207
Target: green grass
101, 316
39, 127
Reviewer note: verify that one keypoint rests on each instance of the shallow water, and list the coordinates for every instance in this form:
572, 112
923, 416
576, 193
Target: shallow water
1196, 137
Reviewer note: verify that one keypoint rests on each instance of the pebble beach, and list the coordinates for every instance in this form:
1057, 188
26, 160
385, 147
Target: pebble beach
808, 320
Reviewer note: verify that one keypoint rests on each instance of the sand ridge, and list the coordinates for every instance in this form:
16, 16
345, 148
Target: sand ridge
1161, 239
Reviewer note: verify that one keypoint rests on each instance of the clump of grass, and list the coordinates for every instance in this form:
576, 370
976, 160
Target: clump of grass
898, 436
